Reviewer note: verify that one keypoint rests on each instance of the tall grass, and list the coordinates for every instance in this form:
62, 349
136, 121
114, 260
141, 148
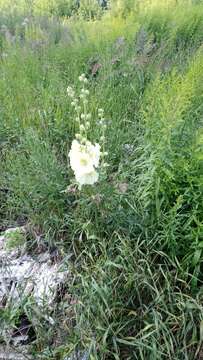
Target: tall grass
136, 237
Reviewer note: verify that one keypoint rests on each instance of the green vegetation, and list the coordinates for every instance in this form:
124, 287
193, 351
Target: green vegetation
14, 239
136, 237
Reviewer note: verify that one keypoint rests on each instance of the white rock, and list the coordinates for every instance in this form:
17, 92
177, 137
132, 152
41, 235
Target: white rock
27, 276
8, 353
23, 275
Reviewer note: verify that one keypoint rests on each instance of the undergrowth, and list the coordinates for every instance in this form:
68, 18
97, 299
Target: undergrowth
134, 241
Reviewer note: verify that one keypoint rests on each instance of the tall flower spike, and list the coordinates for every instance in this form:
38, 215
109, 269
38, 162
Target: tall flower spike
84, 155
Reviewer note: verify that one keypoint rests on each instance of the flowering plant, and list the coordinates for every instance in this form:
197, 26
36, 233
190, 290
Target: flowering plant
85, 157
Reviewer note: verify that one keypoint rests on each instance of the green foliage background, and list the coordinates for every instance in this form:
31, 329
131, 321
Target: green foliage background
135, 238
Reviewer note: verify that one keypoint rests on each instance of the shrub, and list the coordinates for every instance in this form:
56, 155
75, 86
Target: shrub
172, 134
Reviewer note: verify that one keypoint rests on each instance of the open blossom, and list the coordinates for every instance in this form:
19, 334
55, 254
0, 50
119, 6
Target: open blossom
84, 159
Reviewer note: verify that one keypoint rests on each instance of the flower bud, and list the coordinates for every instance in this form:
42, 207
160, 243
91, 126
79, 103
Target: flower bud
82, 128
84, 140
70, 92
81, 77
100, 112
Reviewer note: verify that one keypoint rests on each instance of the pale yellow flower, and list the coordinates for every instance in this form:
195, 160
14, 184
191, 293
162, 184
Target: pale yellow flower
84, 158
